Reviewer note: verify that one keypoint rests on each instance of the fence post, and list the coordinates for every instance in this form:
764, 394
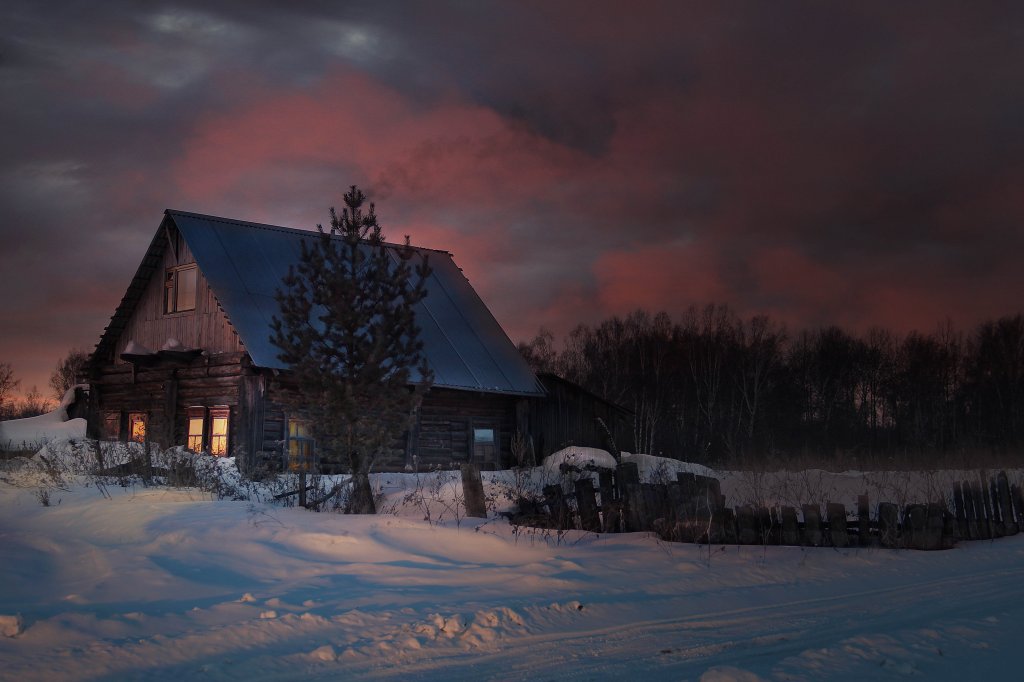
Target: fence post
1005, 505
888, 525
587, 505
863, 521
790, 530
837, 524
812, 525
746, 530
556, 505
473, 491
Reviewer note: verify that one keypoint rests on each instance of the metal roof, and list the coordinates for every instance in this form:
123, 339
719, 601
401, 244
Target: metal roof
245, 263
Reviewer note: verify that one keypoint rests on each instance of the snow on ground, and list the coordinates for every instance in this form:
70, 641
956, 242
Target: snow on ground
160, 583
31, 432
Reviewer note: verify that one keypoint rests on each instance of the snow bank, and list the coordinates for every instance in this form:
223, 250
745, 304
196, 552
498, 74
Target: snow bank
10, 626
32, 432
165, 584
579, 457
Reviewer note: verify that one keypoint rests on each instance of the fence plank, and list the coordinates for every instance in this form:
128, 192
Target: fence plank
812, 525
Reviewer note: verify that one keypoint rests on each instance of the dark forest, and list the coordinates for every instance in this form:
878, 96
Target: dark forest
714, 387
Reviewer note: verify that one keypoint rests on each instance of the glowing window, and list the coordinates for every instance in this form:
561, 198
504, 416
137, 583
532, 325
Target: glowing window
219, 430
137, 427
300, 445
180, 289
196, 426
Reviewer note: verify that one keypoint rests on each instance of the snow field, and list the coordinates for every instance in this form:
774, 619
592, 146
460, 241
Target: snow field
161, 583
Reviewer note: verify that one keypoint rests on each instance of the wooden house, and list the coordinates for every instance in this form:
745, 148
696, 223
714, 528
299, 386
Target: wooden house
187, 359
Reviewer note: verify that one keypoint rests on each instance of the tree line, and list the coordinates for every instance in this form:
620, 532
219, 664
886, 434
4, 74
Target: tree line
33, 403
713, 386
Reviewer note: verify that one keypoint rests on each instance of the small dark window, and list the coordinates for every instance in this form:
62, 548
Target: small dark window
112, 425
180, 289
485, 442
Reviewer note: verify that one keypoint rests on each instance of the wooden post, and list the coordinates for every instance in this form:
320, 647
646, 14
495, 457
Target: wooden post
915, 521
981, 514
837, 524
961, 513
997, 512
970, 511
863, 521
560, 513
934, 526
986, 501
473, 491
729, 534
790, 530
587, 505
888, 525
746, 528
302, 488
682, 524
1018, 503
627, 479
812, 525
1005, 505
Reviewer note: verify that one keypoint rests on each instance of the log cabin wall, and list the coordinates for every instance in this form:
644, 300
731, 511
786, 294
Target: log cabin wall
446, 422
442, 436
206, 327
165, 390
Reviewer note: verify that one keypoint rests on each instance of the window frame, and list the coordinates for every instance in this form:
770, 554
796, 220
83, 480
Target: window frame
112, 427
300, 461
219, 445
171, 280
483, 456
134, 418
195, 412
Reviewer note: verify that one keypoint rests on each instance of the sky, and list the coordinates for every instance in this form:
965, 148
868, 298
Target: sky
856, 164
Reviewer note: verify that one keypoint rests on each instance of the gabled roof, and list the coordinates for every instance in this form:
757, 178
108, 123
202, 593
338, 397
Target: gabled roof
245, 263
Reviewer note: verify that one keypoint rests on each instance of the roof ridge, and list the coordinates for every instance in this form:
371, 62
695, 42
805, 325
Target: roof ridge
279, 228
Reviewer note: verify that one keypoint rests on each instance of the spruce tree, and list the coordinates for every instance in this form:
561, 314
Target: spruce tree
348, 333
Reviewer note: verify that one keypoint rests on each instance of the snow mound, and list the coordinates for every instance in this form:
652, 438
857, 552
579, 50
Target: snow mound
580, 457
134, 348
31, 432
652, 467
10, 626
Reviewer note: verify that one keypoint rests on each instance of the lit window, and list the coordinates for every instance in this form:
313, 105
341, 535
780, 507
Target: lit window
196, 425
137, 427
180, 289
219, 430
300, 445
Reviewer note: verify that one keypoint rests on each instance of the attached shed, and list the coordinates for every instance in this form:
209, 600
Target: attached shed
572, 415
187, 358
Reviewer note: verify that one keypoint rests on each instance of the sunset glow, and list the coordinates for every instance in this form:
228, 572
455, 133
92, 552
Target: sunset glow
850, 164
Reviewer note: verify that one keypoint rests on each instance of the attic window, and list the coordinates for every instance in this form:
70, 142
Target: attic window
180, 288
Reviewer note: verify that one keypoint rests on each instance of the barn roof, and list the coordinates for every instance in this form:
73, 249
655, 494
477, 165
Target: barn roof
245, 262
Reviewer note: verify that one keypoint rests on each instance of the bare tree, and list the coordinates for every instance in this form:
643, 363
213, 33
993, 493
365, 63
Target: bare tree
65, 374
8, 384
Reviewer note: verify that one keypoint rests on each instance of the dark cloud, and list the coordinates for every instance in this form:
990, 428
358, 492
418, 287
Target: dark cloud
856, 164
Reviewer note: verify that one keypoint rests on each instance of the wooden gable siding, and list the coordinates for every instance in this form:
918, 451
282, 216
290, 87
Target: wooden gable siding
206, 327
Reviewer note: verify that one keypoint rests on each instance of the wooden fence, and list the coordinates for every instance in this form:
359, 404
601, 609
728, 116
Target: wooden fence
693, 509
